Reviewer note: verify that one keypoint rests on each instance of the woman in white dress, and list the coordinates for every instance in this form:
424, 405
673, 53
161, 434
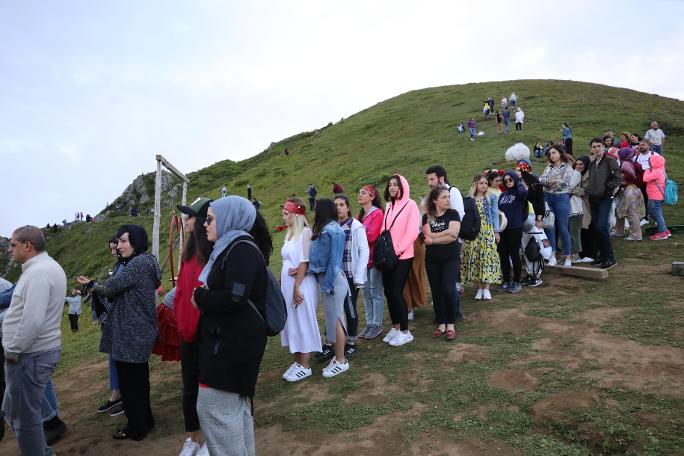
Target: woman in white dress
301, 334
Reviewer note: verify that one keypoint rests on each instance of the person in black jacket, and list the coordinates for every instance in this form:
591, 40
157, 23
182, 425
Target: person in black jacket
231, 335
535, 197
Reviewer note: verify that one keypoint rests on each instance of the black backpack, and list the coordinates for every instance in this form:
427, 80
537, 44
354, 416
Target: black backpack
532, 250
275, 313
384, 256
470, 225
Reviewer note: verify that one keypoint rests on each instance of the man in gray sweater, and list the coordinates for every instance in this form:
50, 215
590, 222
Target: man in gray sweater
31, 337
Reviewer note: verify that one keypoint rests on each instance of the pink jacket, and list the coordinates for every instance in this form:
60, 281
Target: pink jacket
373, 224
406, 227
655, 177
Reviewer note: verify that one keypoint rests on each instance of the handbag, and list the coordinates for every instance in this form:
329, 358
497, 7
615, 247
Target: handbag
384, 256
549, 220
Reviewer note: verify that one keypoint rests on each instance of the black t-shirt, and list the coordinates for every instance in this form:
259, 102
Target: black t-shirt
442, 252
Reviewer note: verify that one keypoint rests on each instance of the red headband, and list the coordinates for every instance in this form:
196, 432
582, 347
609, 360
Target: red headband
294, 208
370, 190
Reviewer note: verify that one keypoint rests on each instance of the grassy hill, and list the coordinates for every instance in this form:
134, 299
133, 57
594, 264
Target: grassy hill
405, 135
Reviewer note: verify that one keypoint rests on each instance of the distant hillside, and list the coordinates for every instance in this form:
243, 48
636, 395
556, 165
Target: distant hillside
404, 134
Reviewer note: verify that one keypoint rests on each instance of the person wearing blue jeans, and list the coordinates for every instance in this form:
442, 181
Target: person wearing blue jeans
374, 302
557, 180
655, 208
53, 426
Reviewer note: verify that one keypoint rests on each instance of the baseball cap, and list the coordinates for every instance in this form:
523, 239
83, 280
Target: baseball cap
197, 207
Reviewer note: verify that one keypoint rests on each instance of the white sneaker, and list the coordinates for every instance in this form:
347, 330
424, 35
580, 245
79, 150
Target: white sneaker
567, 263
335, 368
410, 315
479, 295
190, 447
401, 339
203, 451
486, 295
390, 335
289, 370
298, 373
586, 260
552, 260
643, 222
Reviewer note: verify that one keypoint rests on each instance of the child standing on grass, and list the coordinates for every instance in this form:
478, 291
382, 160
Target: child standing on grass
472, 126
629, 203
654, 178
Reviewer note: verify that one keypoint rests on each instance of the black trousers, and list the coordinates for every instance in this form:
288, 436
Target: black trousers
393, 282
312, 202
509, 252
73, 321
568, 146
350, 310
134, 384
518, 126
190, 375
588, 243
446, 301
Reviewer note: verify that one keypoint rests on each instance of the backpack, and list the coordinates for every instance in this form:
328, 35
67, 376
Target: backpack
532, 250
384, 256
275, 313
670, 195
470, 225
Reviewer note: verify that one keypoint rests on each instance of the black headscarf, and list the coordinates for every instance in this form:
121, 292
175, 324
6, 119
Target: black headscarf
585, 159
137, 237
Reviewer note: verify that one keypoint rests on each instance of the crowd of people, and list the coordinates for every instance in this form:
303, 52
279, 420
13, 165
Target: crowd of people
507, 217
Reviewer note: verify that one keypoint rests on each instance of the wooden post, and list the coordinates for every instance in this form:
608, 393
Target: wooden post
157, 209
183, 200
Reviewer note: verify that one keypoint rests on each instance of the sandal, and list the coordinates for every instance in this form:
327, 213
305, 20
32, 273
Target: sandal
120, 434
450, 334
437, 334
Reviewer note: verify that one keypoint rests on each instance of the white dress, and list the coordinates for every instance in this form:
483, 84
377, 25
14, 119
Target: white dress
301, 333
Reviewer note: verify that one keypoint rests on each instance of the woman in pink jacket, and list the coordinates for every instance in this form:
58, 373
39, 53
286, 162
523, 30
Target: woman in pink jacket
654, 178
402, 219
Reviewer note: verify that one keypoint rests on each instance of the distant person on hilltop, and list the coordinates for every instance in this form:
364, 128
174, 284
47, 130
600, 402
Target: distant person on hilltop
337, 188
490, 102
567, 137
460, 128
224, 192
656, 138
507, 120
519, 119
499, 122
472, 127
486, 110
504, 102
74, 303
513, 99
249, 192
311, 192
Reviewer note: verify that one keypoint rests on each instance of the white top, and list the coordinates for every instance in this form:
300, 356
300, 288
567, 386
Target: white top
75, 305
655, 137
42, 289
642, 159
519, 116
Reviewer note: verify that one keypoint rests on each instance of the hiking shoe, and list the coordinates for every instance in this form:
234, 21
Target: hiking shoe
327, 353
486, 295
643, 222
669, 235
298, 373
391, 334
534, 281
401, 339
632, 238
659, 236
598, 261
108, 406
585, 260
609, 264
567, 263
514, 287
334, 368
374, 332
350, 349
116, 411
552, 260
479, 294
190, 447
289, 370
54, 429
505, 285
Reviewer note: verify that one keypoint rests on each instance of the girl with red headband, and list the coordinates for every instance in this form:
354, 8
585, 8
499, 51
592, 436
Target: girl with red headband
301, 334
371, 216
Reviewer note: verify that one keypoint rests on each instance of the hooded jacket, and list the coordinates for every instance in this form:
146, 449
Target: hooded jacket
405, 223
513, 202
655, 178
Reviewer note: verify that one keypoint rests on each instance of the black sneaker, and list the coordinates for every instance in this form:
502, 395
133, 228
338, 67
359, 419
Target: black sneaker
108, 406
350, 349
54, 429
325, 354
608, 264
598, 261
534, 281
116, 410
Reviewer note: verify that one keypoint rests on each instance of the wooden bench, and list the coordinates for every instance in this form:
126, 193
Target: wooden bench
579, 271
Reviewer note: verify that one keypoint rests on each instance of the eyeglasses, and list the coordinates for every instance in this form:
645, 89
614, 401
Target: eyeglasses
210, 219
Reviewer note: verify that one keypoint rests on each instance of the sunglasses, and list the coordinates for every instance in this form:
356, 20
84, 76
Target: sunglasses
508, 180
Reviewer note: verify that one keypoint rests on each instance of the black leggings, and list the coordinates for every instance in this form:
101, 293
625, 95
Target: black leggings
190, 374
73, 321
134, 382
350, 311
393, 282
509, 251
588, 243
518, 126
446, 300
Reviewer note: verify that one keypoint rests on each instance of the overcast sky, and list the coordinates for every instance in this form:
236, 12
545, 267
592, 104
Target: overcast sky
90, 90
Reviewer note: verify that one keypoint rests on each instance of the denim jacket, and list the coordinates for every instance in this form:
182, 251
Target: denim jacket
326, 255
491, 207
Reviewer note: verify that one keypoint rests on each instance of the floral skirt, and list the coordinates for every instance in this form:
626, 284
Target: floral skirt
479, 258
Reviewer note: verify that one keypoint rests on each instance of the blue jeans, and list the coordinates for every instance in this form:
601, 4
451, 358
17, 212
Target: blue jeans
560, 206
49, 407
600, 212
26, 380
655, 208
472, 132
507, 126
373, 297
657, 149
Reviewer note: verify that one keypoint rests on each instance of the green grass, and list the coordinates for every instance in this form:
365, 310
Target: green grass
406, 134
